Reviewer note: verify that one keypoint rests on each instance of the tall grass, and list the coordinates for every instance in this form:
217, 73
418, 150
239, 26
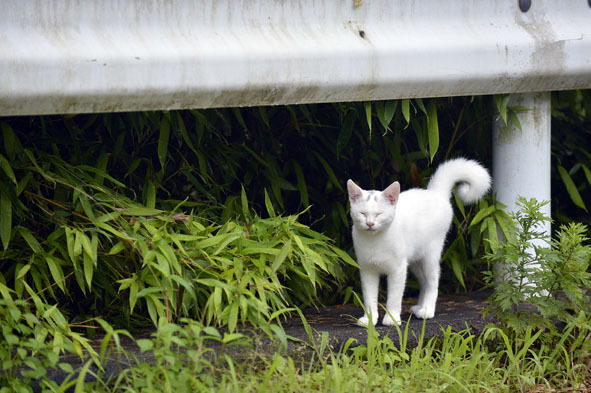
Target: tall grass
492, 361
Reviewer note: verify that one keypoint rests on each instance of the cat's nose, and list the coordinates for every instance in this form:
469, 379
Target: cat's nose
370, 224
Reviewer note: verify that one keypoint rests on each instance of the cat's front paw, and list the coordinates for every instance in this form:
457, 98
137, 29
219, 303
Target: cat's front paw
423, 312
364, 321
391, 320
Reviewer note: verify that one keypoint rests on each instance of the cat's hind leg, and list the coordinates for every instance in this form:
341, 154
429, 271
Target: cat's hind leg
427, 272
370, 281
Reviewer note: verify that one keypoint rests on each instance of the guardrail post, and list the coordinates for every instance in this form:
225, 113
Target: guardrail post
521, 158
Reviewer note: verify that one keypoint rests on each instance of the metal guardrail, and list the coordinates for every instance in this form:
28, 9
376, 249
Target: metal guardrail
67, 56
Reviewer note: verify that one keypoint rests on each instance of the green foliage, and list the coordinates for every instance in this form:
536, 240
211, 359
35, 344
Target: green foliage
477, 231
571, 154
34, 337
551, 276
184, 359
188, 357
508, 113
105, 213
172, 262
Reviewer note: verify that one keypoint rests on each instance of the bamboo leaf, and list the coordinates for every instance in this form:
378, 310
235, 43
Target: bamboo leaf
150, 190
482, 213
70, 242
506, 225
344, 256
212, 282
101, 173
5, 219
239, 117
94, 247
133, 297
88, 268
117, 248
269, 205
367, 106
10, 141
85, 203
156, 309
571, 188
30, 239
163, 140
405, 105
302, 187
56, 271
515, 119
140, 211
106, 217
5, 291
101, 168
77, 248
345, 132
244, 205
170, 255
260, 250
456, 265
459, 204
329, 171
23, 183
233, 317
502, 100
309, 268
163, 264
433, 129
184, 133
492, 233
147, 291
5, 165
386, 112
229, 239
210, 241
133, 166
23, 271
587, 173
421, 106
281, 256
85, 242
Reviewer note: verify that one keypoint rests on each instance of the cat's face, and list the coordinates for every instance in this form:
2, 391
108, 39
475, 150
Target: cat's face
372, 211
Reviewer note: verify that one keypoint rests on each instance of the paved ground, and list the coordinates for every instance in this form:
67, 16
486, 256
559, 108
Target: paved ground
459, 311
338, 324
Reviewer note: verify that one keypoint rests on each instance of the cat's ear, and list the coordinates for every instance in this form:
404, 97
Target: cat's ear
392, 192
355, 192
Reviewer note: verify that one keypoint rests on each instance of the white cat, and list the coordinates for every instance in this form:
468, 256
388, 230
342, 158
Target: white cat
393, 231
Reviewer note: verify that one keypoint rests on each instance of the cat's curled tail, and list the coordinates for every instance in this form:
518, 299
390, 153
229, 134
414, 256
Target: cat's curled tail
473, 178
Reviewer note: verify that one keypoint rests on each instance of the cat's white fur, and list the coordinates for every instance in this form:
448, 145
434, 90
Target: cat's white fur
394, 231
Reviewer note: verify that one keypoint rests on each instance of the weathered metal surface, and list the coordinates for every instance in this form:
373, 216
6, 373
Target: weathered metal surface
68, 56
